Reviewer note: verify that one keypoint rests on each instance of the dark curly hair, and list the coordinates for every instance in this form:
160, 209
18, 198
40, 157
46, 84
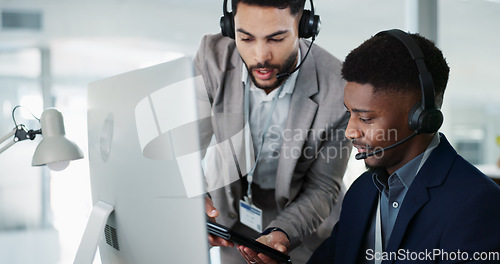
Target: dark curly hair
296, 6
384, 62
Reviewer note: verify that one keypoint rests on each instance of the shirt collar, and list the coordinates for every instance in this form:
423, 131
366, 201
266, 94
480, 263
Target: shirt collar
289, 84
409, 171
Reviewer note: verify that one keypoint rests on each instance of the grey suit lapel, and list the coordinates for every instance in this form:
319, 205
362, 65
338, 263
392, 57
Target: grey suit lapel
230, 99
300, 118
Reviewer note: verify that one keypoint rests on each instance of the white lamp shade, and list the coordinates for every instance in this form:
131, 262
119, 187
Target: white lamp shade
54, 147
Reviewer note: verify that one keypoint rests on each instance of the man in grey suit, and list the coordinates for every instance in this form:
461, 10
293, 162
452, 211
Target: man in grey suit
268, 86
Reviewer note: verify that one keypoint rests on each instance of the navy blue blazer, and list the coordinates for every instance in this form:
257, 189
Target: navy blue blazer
450, 208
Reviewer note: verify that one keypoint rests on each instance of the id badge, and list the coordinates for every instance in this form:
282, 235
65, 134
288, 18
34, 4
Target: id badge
251, 216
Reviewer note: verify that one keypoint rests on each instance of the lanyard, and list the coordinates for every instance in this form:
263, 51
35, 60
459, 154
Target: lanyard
378, 234
248, 133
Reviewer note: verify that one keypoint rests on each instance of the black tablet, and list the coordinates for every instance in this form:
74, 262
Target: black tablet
224, 232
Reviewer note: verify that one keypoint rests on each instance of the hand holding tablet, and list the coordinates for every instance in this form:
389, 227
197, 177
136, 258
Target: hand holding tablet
224, 232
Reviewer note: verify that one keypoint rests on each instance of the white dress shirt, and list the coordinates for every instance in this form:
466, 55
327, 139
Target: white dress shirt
260, 105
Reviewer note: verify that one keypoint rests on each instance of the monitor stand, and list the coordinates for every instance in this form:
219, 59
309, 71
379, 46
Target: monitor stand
95, 227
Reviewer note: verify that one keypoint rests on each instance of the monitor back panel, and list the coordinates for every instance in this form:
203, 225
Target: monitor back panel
158, 214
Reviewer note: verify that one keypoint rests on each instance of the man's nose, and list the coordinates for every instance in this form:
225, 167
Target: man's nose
352, 132
262, 53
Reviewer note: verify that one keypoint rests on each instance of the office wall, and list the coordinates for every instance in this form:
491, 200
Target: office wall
90, 40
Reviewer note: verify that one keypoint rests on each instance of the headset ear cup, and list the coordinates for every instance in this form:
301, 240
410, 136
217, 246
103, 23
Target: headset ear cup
413, 117
424, 121
227, 25
304, 28
431, 120
309, 25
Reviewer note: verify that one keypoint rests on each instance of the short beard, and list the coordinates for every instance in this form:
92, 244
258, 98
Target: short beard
374, 169
381, 171
286, 67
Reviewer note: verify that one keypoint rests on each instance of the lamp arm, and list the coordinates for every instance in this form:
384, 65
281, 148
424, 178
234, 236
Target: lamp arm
20, 133
8, 145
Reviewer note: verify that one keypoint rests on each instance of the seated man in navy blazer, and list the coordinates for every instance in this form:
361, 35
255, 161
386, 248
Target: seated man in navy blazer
419, 201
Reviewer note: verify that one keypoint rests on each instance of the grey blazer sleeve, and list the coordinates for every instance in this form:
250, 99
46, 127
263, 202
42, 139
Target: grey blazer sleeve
211, 62
205, 126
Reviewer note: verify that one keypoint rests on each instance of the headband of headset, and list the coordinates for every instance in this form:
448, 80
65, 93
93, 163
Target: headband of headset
309, 24
424, 117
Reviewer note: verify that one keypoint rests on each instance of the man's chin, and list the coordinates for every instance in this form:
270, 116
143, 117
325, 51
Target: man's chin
267, 85
373, 164
375, 168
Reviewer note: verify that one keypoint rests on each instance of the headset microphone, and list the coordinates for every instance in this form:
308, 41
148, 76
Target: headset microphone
287, 74
364, 155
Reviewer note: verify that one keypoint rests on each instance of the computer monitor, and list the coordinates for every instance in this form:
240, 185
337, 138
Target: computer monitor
145, 171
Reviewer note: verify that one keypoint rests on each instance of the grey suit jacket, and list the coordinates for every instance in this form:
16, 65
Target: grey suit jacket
314, 152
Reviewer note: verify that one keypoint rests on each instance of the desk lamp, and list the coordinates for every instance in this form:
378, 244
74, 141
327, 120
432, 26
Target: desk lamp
55, 150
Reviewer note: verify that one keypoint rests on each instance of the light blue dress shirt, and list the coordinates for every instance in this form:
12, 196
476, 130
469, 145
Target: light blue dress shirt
260, 105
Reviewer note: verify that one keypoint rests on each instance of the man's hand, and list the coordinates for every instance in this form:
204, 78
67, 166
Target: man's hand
276, 240
212, 213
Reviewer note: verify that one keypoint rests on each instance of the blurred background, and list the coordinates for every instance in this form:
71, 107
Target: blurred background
51, 50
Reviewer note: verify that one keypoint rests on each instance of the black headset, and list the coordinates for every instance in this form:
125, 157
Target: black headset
309, 24
424, 117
